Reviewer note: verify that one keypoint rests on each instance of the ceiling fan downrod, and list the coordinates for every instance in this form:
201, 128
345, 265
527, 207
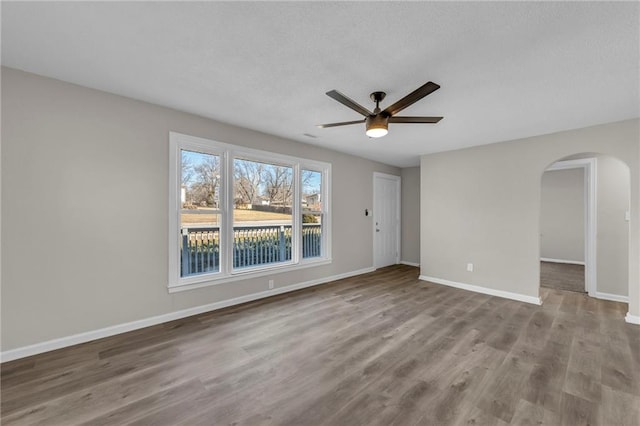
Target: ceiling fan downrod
377, 97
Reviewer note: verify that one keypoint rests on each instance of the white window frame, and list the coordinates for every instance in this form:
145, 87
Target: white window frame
227, 154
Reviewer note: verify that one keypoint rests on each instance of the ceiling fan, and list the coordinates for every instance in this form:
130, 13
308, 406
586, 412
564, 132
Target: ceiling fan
377, 122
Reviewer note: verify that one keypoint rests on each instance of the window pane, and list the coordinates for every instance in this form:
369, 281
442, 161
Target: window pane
199, 215
262, 218
311, 201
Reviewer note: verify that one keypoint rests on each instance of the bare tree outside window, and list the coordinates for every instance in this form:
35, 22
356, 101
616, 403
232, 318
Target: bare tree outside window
207, 177
247, 180
262, 214
279, 185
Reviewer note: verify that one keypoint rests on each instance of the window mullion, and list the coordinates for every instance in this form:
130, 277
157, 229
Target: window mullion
296, 238
226, 251
326, 216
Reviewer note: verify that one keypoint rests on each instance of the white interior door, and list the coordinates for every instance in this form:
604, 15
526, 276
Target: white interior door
386, 219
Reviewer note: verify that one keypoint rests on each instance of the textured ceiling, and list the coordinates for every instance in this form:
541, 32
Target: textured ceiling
507, 70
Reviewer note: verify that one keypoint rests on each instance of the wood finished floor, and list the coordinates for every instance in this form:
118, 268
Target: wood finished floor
378, 349
562, 276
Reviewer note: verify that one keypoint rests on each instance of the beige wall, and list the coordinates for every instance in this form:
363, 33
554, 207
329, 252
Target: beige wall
612, 240
410, 251
482, 205
85, 201
562, 215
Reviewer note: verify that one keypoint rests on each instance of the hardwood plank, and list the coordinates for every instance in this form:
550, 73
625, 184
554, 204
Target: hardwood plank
549, 370
150, 404
74, 378
409, 407
618, 369
551, 299
578, 411
506, 335
619, 408
503, 392
467, 381
476, 417
533, 337
583, 370
528, 414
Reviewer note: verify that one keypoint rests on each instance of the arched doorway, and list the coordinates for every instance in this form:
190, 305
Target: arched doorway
604, 221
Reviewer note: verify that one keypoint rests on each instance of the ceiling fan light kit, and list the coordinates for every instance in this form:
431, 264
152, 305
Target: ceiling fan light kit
377, 122
377, 126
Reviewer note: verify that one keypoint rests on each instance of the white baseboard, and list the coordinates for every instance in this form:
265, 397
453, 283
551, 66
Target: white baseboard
570, 262
88, 336
632, 319
404, 262
612, 297
484, 290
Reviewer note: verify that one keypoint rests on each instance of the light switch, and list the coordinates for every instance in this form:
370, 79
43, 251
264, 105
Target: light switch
627, 216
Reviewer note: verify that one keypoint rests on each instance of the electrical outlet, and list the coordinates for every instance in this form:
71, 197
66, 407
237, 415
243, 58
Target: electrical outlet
470, 267
270, 284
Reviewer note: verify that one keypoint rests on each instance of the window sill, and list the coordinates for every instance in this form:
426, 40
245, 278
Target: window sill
246, 275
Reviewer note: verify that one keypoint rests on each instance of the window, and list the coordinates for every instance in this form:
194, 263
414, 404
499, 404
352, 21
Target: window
262, 214
236, 212
199, 213
311, 206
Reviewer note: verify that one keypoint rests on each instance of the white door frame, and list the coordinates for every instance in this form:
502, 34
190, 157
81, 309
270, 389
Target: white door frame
590, 191
398, 181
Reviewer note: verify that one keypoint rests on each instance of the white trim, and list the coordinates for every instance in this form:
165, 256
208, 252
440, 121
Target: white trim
568, 164
591, 247
632, 319
404, 262
253, 273
569, 262
88, 336
590, 215
484, 290
612, 297
398, 182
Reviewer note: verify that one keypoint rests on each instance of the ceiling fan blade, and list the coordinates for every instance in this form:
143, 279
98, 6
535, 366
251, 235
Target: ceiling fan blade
349, 103
411, 98
414, 119
344, 123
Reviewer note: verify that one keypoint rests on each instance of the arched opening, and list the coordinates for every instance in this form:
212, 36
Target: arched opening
584, 226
